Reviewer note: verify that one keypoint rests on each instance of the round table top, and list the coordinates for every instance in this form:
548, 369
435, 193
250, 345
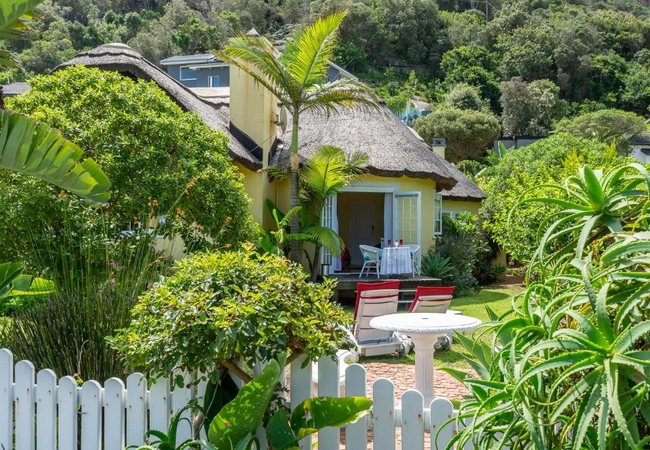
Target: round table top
425, 323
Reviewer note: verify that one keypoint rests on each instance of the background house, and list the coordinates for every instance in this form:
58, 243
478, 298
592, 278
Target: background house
206, 71
400, 197
640, 147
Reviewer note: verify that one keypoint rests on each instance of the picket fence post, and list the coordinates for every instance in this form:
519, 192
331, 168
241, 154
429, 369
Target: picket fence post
37, 413
6, 398
46, 410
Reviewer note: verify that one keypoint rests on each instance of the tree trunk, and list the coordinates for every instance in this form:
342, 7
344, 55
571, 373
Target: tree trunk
315, 268
295, 165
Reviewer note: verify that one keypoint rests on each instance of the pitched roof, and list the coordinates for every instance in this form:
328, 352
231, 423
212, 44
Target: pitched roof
123, 59
188, 59
9, 90
393, 149
465, 189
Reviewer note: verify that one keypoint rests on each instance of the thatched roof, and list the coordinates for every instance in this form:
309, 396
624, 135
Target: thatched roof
465, 189
9, 90
393, 149
123, 59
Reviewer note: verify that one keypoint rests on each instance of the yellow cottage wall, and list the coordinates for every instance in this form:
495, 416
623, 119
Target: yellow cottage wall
459, 206
402, 184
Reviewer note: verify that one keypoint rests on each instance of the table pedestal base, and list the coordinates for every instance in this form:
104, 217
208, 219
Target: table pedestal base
424, 364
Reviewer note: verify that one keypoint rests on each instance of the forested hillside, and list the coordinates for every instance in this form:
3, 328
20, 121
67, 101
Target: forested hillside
526, 62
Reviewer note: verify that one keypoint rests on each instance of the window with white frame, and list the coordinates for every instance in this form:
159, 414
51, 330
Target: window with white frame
437, 213
187, 74
214, 81
450, 214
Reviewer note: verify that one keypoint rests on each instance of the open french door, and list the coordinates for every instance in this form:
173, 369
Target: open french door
329, 219
406, 217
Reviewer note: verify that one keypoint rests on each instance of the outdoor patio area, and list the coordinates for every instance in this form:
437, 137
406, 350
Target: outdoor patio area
347, 284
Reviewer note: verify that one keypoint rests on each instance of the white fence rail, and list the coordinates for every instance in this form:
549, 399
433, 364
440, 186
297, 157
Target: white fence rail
40, 411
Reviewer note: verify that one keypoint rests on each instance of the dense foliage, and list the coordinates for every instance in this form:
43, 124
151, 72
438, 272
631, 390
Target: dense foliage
594, 51
522, 173
460, 245
160, 160
221, 307
468, 132
66, 331
611, 126
568, 366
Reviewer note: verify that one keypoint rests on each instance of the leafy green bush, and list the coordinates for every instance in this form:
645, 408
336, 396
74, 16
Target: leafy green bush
569, 366
67, 331
220, 307
550, 160
461, 243
159, 159
468, 133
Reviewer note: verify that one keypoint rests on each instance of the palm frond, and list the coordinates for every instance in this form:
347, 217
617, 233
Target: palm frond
328, 98
327, 238
324, 173
257, 57
314, 47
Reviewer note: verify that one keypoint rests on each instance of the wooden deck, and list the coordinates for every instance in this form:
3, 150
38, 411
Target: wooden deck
347, 285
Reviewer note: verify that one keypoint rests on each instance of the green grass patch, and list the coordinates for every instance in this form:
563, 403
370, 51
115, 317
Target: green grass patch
498, 298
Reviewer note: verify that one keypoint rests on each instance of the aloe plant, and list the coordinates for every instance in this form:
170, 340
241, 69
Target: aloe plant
569, 367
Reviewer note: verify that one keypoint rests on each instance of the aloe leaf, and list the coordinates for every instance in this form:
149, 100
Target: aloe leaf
613, 397
592, 333
587, 228
584, 415
580, 366
632, 301
575, 392
628, 337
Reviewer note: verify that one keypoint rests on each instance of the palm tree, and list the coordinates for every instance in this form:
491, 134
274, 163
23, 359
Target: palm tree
322, 176
297, 78
35, 149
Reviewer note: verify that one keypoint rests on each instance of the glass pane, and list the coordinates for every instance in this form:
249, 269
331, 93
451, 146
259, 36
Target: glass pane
188, 74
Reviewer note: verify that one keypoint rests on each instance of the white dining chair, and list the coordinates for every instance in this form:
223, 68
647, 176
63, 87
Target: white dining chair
371, 259
415, 254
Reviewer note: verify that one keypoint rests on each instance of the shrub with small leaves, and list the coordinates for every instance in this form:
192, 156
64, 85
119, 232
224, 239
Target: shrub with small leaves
160, 159
220, 307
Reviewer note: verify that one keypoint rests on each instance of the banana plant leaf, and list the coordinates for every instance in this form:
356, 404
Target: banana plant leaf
33, 148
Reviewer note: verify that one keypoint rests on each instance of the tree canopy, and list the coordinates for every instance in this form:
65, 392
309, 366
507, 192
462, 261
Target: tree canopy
521, 173
162, 162
468, 133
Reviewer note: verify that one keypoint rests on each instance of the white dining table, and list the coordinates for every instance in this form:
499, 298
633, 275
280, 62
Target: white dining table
395, 260
424, 329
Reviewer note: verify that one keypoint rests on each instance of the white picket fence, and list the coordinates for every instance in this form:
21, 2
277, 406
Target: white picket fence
43, 412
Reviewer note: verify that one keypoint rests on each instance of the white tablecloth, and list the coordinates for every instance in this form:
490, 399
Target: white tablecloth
395, 260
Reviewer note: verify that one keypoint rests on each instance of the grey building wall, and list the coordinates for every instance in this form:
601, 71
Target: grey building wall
202, 75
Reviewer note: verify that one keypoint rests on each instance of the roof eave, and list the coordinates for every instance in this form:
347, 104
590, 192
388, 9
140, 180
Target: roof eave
441, 182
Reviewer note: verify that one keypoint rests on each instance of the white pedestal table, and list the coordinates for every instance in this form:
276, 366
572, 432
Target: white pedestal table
424, 329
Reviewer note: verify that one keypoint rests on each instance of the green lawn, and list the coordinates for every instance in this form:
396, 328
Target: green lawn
498, 298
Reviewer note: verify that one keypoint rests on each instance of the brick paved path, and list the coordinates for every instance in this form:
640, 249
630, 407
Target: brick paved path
403, 377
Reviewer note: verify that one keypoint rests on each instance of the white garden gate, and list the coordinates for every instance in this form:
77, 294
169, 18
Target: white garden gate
43, 412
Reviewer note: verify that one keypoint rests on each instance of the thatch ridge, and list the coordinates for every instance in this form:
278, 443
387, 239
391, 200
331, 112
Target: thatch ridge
123, 59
